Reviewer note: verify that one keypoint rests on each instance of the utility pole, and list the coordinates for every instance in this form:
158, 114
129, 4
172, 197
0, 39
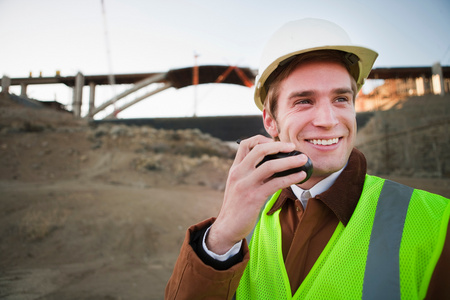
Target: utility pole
111, 77
195, 82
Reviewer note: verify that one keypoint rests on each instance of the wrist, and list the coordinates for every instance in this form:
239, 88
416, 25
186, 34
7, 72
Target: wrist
222, 257
217, 242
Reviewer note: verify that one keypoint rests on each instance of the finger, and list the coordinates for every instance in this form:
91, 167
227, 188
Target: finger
245, 146
274, 184
261, 150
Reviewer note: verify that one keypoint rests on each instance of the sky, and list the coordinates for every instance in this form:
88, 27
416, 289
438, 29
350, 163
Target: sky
140, 36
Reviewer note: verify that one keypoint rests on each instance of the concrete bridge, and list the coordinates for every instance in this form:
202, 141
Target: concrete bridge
177, 78
420, 80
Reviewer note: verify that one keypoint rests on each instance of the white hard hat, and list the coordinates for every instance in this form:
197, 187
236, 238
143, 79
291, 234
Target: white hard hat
306, 35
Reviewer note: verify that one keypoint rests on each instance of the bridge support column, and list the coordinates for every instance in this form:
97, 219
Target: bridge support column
437, 79
6, 82
23, 90
91, 100
78, 95
447, 85
420, 86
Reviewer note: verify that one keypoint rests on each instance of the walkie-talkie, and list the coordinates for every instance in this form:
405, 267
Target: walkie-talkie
308, 167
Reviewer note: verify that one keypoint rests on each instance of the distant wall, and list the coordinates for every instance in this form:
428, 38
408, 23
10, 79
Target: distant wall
226, 128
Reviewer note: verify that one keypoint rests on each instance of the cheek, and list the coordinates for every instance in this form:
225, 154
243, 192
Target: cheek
353, 125
290, 127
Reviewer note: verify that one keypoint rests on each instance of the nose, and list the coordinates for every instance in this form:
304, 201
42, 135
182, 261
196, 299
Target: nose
325, 115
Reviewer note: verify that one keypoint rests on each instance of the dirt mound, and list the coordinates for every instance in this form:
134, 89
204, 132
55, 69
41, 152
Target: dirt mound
27, 115
40, 145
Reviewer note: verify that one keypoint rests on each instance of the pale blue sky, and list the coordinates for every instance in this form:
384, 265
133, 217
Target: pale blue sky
148, 36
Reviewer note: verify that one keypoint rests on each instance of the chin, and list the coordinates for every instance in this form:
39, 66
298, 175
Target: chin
327, 169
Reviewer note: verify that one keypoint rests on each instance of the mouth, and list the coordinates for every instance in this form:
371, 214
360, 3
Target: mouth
325, 142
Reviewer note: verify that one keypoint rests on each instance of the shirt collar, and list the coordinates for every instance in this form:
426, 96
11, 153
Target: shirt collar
319, 188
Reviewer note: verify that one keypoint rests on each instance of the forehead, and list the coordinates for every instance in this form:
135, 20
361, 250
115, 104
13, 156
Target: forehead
318, 75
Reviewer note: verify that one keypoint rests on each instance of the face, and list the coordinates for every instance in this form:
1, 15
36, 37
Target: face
315, 111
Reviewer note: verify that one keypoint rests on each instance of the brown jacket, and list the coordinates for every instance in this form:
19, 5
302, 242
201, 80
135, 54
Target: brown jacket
305, 234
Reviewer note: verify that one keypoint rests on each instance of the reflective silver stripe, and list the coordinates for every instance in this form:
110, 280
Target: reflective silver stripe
382, 273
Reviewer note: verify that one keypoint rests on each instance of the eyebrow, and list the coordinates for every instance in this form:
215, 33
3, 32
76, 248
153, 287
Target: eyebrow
301, 94
341, 91
308, 93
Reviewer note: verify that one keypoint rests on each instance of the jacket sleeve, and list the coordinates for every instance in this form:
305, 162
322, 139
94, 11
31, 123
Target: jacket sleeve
192, 278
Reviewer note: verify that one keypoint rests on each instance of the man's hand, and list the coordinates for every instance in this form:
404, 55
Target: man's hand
248, 188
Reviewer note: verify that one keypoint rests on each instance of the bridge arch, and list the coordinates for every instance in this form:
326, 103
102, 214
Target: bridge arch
176, 78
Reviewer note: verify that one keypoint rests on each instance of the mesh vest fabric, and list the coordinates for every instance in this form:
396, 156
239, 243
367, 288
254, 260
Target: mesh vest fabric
422, 242
339, 271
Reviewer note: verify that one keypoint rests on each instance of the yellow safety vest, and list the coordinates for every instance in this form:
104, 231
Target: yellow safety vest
388, 250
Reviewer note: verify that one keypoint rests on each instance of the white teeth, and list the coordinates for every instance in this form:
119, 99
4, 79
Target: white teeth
324, 142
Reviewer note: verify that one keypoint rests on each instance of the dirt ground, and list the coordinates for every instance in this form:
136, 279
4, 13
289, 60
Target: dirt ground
100, 213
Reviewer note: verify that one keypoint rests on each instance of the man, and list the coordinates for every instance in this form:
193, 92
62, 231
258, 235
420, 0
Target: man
342, 234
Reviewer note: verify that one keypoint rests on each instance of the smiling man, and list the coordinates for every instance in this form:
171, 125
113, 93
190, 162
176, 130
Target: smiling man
342, 234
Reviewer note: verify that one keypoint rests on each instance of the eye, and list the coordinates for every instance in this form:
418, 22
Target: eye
302, 101
342, 99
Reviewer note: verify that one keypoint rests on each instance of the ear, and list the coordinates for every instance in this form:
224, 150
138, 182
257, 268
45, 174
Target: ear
270, 124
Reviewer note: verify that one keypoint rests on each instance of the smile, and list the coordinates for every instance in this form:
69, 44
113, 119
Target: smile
324, 142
